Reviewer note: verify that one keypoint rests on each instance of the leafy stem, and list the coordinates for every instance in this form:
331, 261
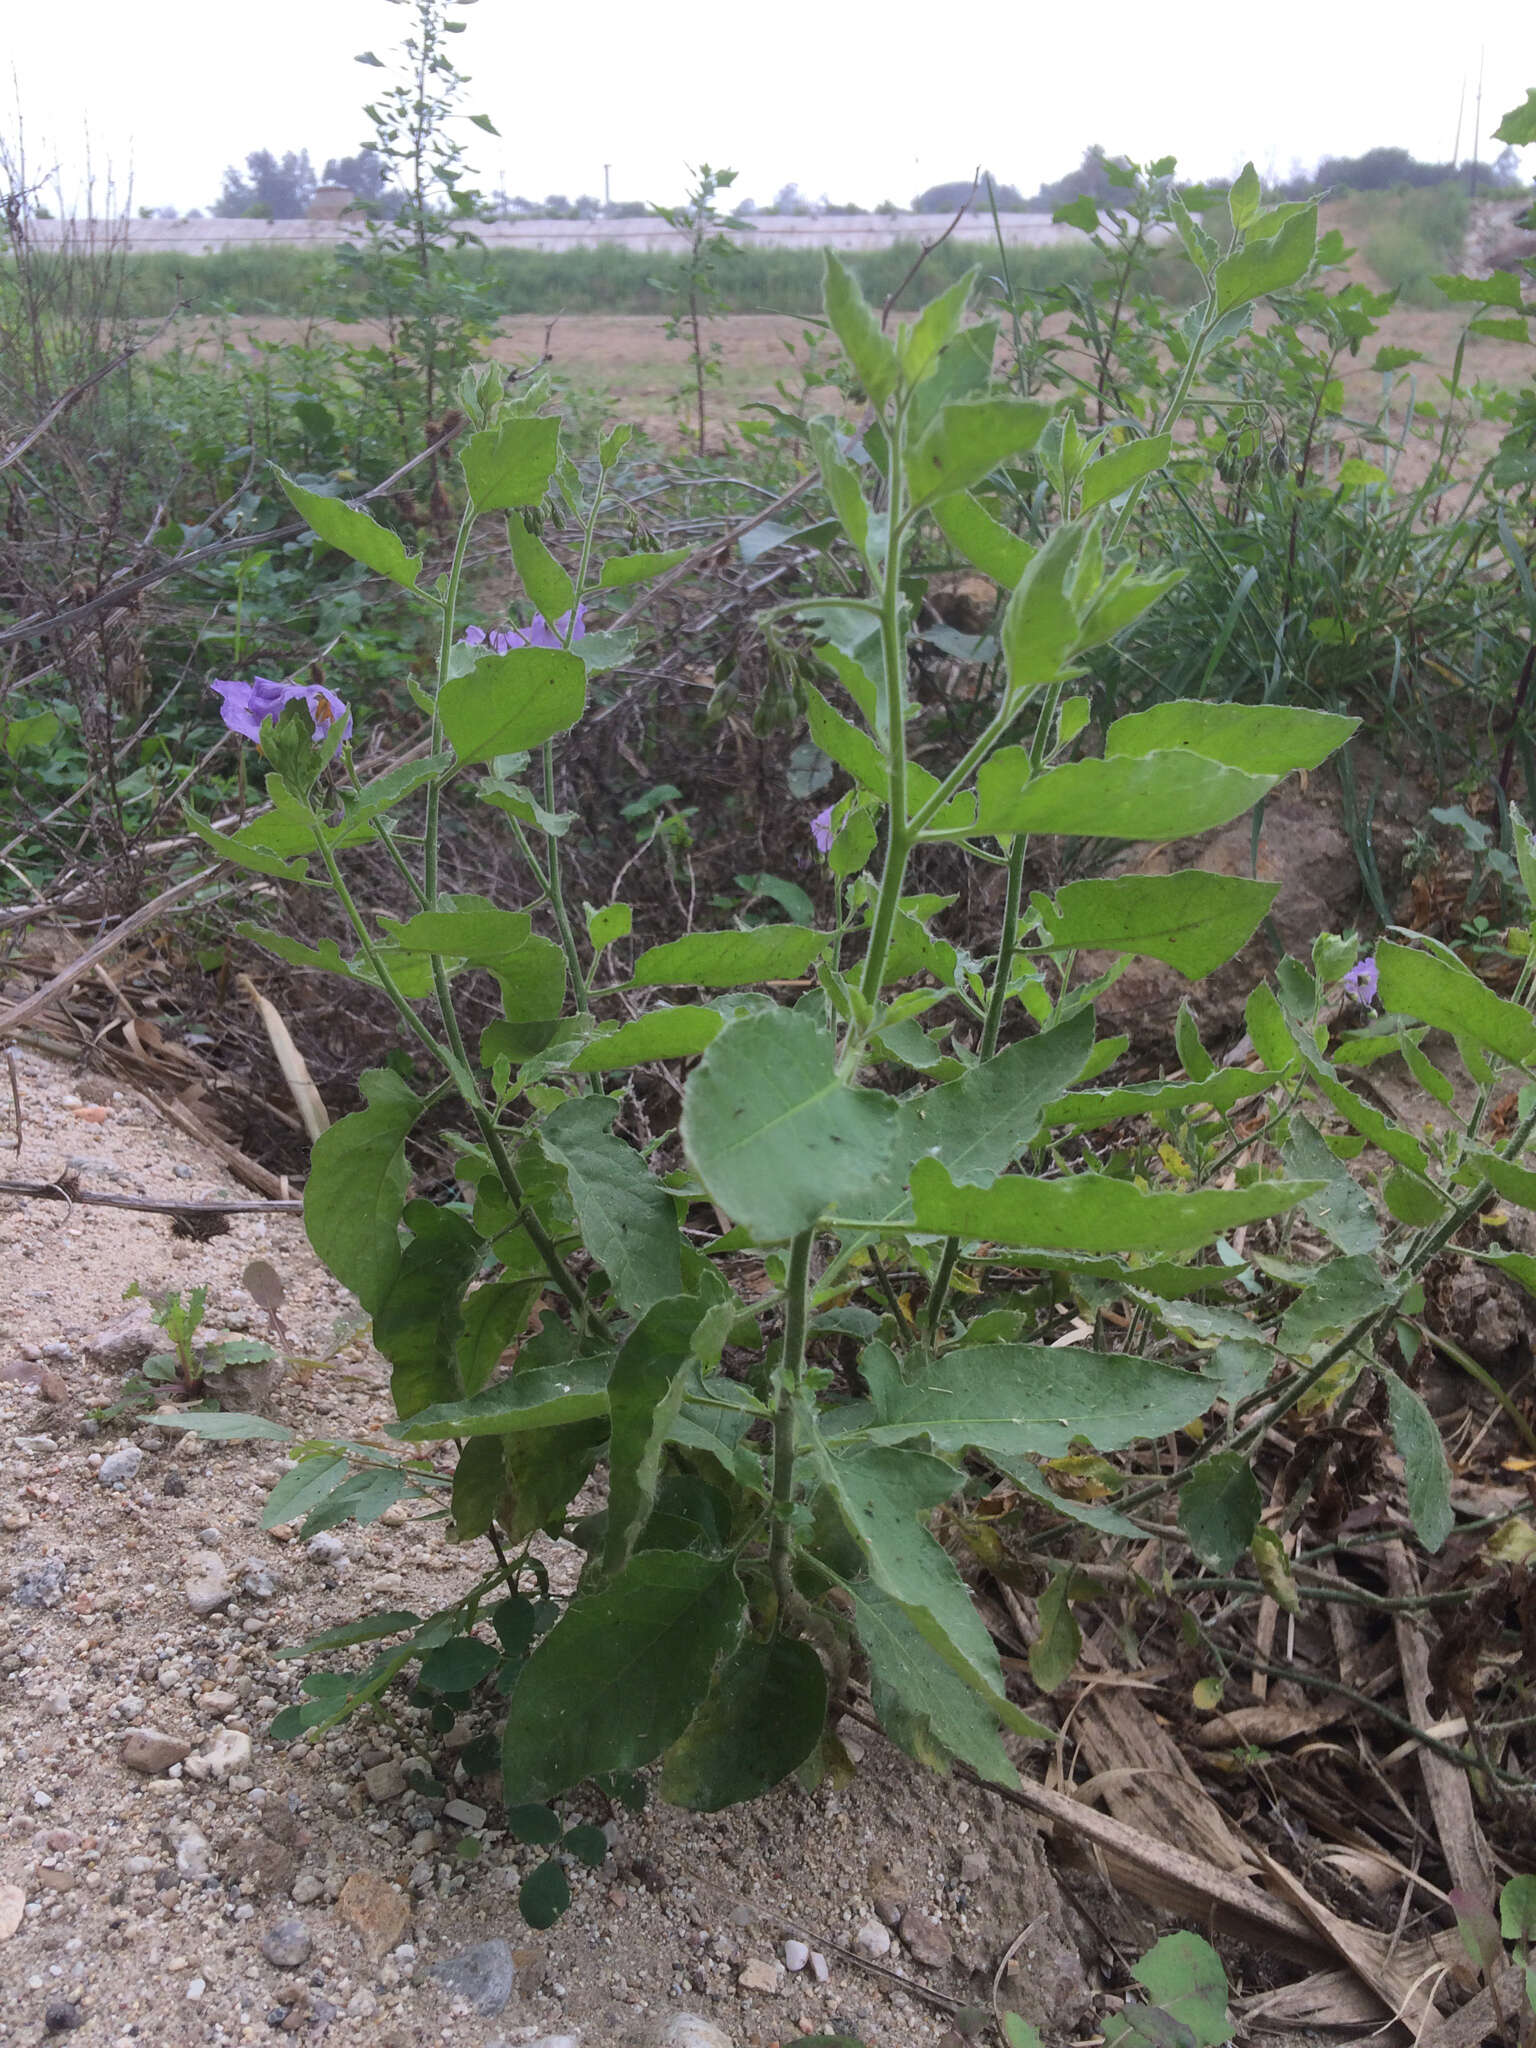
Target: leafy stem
790, 1373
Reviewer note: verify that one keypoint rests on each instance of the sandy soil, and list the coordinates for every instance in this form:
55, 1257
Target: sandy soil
141, 1903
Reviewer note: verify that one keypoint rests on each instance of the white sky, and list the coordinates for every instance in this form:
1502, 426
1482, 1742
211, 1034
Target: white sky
858, 99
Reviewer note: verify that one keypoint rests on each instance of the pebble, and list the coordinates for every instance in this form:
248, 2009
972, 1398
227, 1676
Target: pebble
192, 1851
873, 1941
687, 2030
149, 1752
229, 1751
62, 2016
565, 2041
13, 1904
124, 1344
218, 1702
210, 1591
482, 1975
286, 1944
796, 1956
759, 1975
120, 1466
42, 1584
306, 1888
174, 1485
465, 1813
925, 1940
380, 1914
196, 1986
256, 1582
818, 1966
325, 1548
384, 1782
974, 1868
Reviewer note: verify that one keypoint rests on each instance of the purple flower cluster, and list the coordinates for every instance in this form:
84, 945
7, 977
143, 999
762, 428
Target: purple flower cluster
502, 639
1361, 980
821, 830
244, 705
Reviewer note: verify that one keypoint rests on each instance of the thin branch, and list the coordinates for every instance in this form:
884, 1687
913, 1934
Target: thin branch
58, 1191
72, 397
928, 248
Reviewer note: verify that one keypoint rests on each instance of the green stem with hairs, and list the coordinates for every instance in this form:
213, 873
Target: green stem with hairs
790, 1373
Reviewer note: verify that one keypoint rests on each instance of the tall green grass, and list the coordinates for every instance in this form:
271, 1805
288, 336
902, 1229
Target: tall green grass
1411, 234
301, 282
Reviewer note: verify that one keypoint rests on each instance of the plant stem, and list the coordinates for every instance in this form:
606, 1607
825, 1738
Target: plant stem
893, 647
791, 1369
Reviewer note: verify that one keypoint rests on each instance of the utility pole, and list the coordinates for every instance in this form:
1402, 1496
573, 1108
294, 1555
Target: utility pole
607, 195
1477, 123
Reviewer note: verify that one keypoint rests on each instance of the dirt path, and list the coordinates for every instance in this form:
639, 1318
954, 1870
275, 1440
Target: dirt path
158, 1907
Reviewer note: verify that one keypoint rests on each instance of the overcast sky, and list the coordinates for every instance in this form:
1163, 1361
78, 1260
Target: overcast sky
858, 99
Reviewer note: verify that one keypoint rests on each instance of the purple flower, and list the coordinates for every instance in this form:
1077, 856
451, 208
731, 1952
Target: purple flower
502, 639
1360, 982
821, 830
245, 705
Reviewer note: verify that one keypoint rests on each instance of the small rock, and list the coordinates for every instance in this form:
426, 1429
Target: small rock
819, 1966
362, 2005
307, 1887
568, 2041
57, 1877
974, 1868
286, 1945
174, 1485
121, 1466
465, 1813
218, 1702
122, 1345
926, 1941
482, 1975
62, 2016
687, 2030
889, 1907
41, 1584
380, 1914
873, 1941
196, 1986
385, 1781
796, 1956
230, 1750
759, 1975
150, 1753
395, 1517
325, 1548
192, 1851
13, 1904
210, 1592
256, 1582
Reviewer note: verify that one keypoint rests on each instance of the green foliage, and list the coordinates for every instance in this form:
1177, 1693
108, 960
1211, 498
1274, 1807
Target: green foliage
784, 1452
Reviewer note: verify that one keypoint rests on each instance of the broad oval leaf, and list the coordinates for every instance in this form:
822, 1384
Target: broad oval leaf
357, 1186
1193, 920
511, 703
1452, 999
770, 952
628, 1220
763, 1717
1152, 797
773, 1133
967, 440
352, 531
1270, 265
1261, 739
677, 1031
1122, 467
1219, 1508
510, 466
536, 1399
1426, 1470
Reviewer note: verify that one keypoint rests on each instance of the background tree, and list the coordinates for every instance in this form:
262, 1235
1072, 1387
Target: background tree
950, 197
366, 178
273, 188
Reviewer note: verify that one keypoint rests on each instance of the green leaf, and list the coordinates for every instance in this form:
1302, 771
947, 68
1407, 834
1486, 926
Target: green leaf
544, 1894
1519, 127
356, 1188
923, 1705
1219, 1509
871, 354
1260, 739
532, 1400
762, 1719
772, 1132
1281, 260
1499, 288
628, 1220
1121, 467
967, 440
770, 952
845, 744
479, 1480
1411, 1200
1152, 797
1421, 985
511, 703
621, 1674
985, 542
1184, 1978
1341, 1209
1040, 627
840, 481
1020, 2033
1192, 920
38, 730
678, 1031
1087, 1109
1244, 198
549, 588
227, 1428
1089, 1212
245, 854
1033, 1400
619, 571
303, 1486
1517, 1901
920, 344
354, 533
588, 1844
417, 1319
1426, 1470
1059, 1642
473, 930
645, 1394
459, 1664
607, 926
1080, 212
510, 466
1345, 1292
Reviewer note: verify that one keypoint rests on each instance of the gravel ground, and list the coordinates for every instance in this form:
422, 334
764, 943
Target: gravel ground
214, 1887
